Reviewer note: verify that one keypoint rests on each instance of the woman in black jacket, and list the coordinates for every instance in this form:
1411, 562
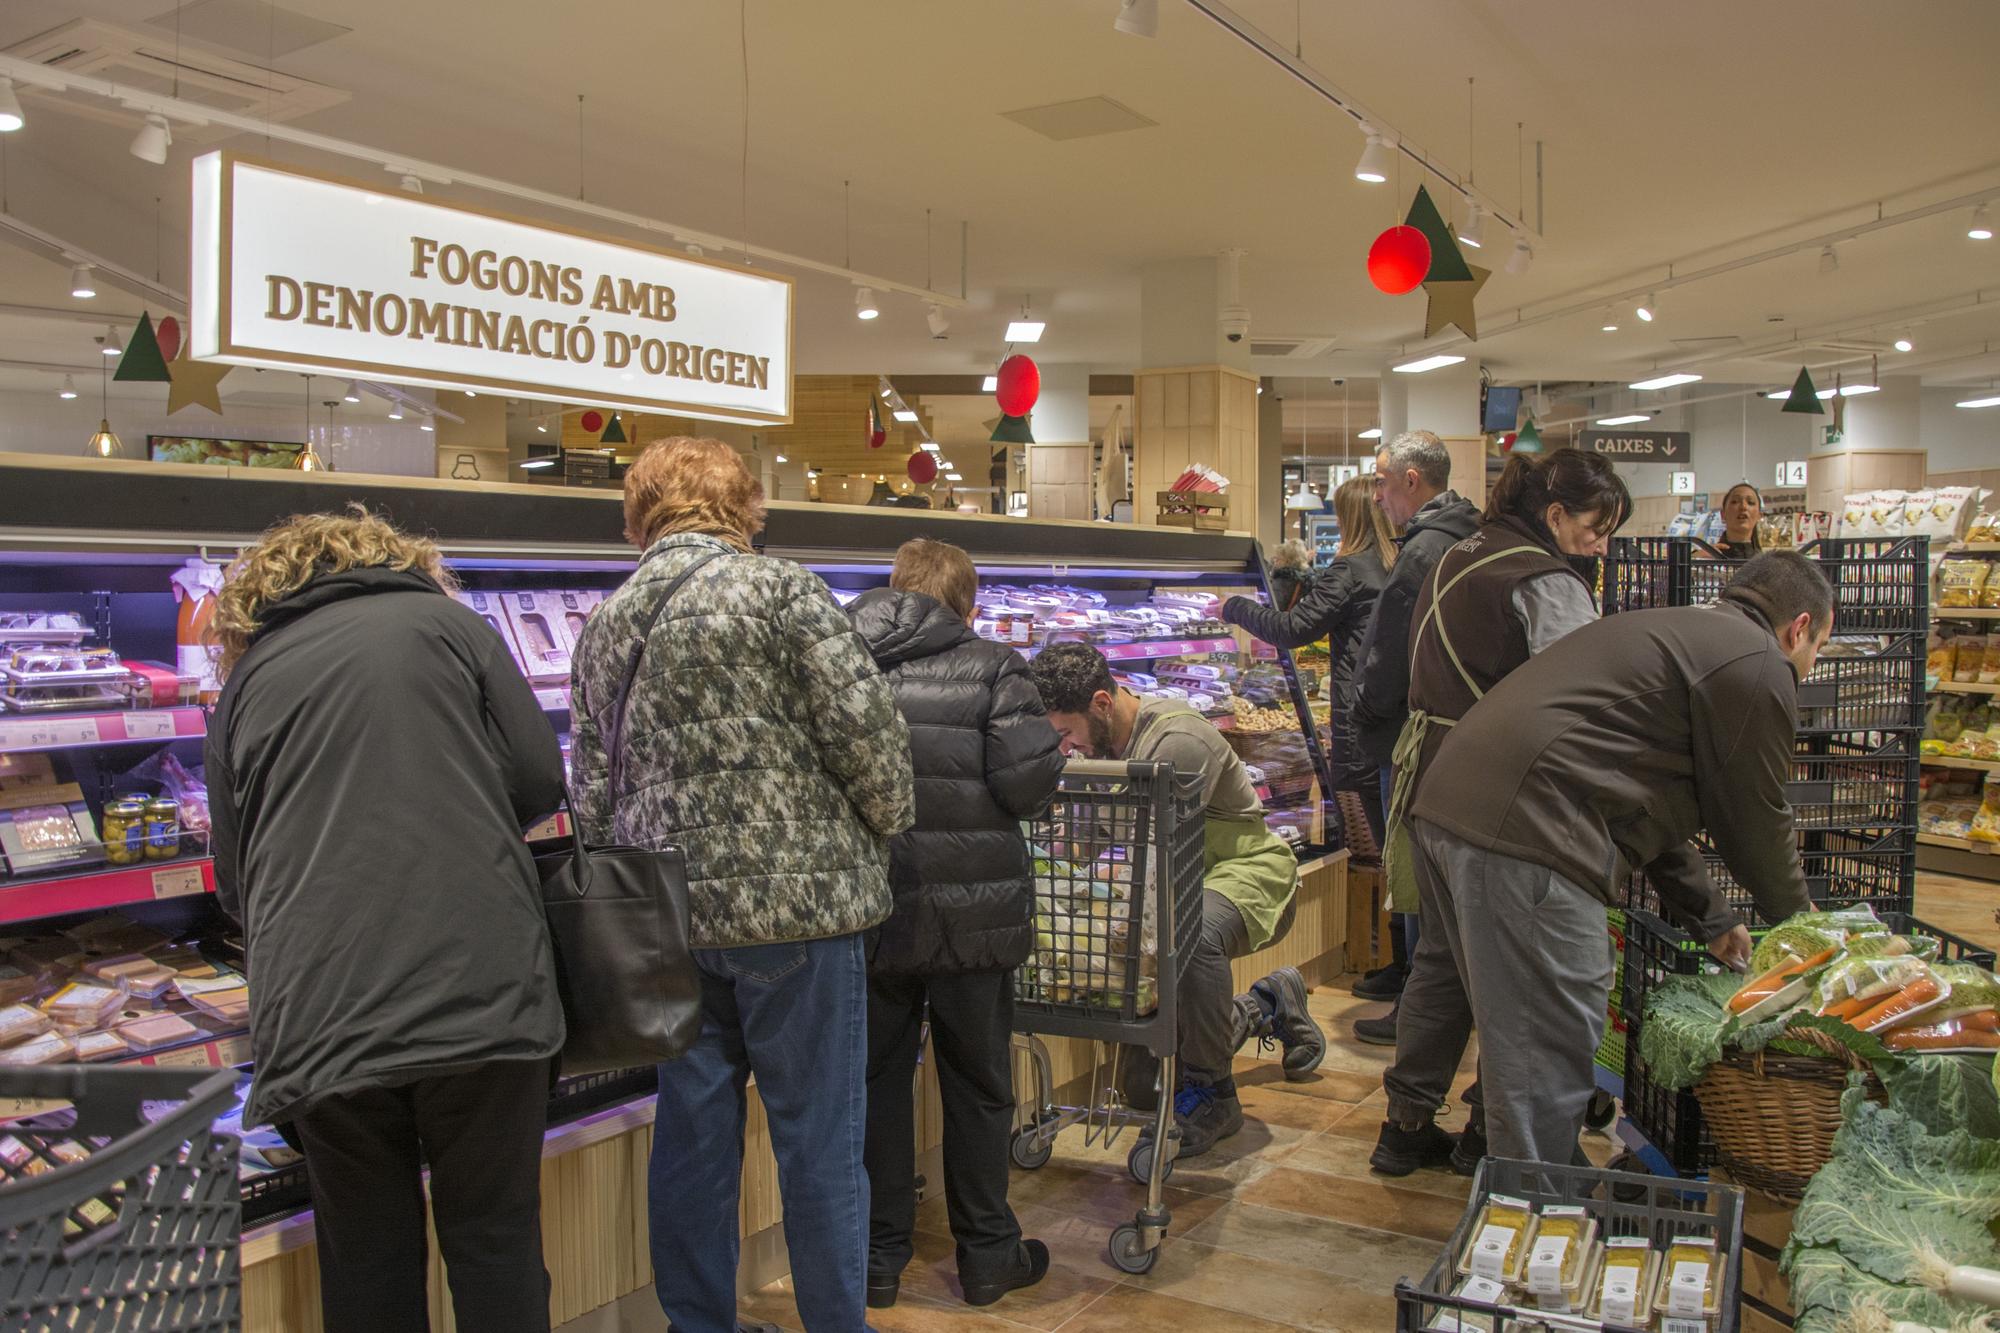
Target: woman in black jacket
986, 758
372, 761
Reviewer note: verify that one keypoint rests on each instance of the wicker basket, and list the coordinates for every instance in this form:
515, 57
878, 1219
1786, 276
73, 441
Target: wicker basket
1773, 1115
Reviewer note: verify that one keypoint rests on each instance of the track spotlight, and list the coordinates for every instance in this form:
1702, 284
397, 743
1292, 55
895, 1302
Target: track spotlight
934, 316
1523, 256
1905, 345
864, 303
68, 389
1139, 18
1610, 322
11, 118
1982, 225
1475, 226
1374, 164
1648, 310
110, 345
150, 143
353, 394
1829, 262
82, 283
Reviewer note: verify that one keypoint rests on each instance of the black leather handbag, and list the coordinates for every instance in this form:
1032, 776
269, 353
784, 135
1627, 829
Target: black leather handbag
631, 994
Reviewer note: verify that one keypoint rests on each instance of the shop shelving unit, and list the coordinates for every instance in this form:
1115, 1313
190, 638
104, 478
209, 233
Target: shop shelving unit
1937, 851
1853, 785
103, 539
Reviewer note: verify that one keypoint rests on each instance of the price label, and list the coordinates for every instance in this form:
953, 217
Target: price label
187, 1057
177, 882
20, 1108
233, 1051
48, 733
149, 726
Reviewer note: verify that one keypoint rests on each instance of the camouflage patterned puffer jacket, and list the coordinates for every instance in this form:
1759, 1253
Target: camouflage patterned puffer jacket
760, 737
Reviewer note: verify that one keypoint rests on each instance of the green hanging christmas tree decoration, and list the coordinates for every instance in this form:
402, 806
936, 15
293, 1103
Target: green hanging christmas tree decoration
613, 433
1529, 440
1447, 263
1804, 397
142, 361
1012, 430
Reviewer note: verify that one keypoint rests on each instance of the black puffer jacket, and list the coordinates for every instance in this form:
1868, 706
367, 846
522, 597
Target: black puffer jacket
986, 758
1382, 674
371, 764
1337, 607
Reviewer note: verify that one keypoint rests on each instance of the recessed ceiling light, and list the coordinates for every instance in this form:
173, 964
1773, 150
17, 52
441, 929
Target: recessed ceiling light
953, 476
990, 384
864, 303
1780, 395
537, 463
82, 283
1905, 345
150, 143
10, 108
1981, 402
1025, 331
1648, 309
904, 414
1418, 367
1665, 381
1373, 168
68, 389
930, 445
1982, 225
1631, 420
1850, 390
1372, 434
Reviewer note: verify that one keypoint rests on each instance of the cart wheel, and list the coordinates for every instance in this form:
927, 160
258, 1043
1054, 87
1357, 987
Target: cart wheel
1030, 1150
1126, 1254
1140, 1164
1603, 1110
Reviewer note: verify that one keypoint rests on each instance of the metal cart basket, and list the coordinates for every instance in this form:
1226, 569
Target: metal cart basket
1118, 877
121, 1213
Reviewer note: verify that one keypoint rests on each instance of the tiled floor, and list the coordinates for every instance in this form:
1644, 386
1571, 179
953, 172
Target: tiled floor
1283, 1227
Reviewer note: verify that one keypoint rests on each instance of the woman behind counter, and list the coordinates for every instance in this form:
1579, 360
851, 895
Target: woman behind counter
1742, 510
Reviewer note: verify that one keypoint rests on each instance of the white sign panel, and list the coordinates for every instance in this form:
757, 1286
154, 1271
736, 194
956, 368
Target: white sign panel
1683, 483
1792, 472
299, 272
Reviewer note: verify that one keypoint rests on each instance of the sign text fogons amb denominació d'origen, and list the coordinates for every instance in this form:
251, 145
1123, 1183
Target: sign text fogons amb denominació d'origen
296, 272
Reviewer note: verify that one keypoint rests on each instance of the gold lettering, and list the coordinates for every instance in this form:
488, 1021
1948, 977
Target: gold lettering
546, 284
354, 311
635, 296
607, 296
677, 361
572, 286
427, 320
760, 372
453, 257
485, 275
485, 328
711, 364
515, 339
422, 252
666, 312
535, 332
735, 372
390, 309
285, 300
319, 304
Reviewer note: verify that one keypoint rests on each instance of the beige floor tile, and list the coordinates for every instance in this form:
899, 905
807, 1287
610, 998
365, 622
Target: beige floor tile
1328, 1082
1238, 1160
1366, 1203
1281, 1292
1338, 1251
932, 1275
1276, 1104
1134, 1310
1345, 1157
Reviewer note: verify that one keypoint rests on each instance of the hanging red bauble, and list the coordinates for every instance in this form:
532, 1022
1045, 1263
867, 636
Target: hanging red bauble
1399, 259
592, 421
1019, 385
922, 467
168, 332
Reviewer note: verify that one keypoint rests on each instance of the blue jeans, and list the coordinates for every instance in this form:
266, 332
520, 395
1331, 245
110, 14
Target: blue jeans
796, 1016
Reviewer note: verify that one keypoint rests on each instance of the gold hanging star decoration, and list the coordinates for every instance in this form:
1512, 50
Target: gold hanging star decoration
1451, 304
195, 384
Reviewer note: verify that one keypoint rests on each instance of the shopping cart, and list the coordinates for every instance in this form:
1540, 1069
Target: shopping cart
1118, 869
118, 1204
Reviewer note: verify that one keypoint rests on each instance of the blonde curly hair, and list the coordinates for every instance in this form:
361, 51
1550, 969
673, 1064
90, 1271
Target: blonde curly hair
301, 549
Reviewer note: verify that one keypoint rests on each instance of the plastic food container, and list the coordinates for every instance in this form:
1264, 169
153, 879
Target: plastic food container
1561, 1248
1626, 1282
1498, 1245
1690, 1286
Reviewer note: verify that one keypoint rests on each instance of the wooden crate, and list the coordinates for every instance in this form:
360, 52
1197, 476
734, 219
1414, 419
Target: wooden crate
1204, 511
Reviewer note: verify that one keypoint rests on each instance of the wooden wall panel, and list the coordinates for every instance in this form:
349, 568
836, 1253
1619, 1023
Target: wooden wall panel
1830, 478
1195, 414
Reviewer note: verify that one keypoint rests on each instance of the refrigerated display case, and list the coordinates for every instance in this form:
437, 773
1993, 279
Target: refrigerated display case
91, 547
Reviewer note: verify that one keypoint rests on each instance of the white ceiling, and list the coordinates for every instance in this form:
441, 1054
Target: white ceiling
1686, 135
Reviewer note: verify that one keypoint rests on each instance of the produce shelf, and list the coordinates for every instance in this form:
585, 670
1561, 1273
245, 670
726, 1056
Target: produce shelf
1958, 844
64, 731
1957, 687
1949, 761
1152, 648
1966, 613
95, 890
1977, 548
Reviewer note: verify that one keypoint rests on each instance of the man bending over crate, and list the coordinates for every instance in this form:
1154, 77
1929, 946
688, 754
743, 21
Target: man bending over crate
1250, 884
1607, 751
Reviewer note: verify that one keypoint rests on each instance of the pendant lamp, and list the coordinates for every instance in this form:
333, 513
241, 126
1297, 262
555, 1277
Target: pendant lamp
105, 443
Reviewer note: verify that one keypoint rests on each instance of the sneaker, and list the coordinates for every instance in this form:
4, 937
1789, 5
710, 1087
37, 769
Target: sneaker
883, 1290
1031, 1265
1384, 983
1377, 1031
1203, 1118
1401, 1151
1252, 1019
1469, 1149
1284, 991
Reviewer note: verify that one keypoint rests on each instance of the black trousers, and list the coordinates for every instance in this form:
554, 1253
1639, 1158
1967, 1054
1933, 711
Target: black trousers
972, 1021
481, 1133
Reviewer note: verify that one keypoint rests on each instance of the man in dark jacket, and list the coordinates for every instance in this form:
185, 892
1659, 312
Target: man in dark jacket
371, 763
985, 759
1412, 485
1605, 752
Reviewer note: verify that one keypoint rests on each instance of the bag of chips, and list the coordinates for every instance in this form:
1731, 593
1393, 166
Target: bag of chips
1961, 581
1968, 658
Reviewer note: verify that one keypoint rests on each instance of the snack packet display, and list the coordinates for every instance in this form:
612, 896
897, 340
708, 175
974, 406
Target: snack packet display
1984, 528
1938, 657
1961, 580
1985, 824
1854, 514
81, 1006
1885, 514
1968, 658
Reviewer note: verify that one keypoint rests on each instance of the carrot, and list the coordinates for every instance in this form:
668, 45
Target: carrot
1908, 1000
1939, 1039
1847, 1008
1774, 981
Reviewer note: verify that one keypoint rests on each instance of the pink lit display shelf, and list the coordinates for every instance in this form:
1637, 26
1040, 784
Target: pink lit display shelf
1152, 648
66, 731
95, 890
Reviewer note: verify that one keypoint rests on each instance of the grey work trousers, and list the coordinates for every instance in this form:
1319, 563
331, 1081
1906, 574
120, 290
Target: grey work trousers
1208, 990
1535, 955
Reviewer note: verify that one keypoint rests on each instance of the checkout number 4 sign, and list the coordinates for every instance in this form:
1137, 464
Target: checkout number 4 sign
1791, 472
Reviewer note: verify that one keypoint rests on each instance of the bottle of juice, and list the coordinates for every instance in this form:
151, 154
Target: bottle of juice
195, 585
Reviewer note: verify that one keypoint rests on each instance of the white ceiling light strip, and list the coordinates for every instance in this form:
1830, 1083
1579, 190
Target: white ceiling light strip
26, 74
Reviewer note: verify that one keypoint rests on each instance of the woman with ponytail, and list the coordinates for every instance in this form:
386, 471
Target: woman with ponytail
1742, 508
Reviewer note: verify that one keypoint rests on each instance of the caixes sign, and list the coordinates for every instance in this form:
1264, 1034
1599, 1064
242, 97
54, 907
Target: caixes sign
1640, 446
295, 271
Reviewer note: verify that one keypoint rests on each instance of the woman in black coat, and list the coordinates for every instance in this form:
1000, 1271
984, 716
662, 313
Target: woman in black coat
372, 761
986, 758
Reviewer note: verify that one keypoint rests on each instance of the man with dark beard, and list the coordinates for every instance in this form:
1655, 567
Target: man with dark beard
1250, 881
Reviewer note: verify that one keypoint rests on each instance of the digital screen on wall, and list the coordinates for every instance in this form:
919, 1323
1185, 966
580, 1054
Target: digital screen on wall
227, 453
1502, 407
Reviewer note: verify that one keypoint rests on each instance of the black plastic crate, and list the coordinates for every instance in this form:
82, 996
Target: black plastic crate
1854, 784
1624, 1204
1880, 585
1866, 684
1654, 951
1843, 868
